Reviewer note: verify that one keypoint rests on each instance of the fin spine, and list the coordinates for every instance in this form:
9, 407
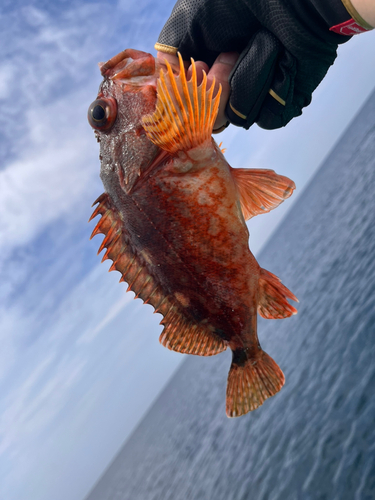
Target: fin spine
170, 111
195, 99
144, 284
107, 237
186, 95
185, 113
131, 283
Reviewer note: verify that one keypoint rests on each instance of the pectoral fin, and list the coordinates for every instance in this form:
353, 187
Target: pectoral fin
185, 112
261, 190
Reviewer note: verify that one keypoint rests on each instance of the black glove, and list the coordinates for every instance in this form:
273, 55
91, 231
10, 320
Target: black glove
285, 46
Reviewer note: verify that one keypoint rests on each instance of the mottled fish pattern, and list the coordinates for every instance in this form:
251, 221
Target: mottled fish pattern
173, 215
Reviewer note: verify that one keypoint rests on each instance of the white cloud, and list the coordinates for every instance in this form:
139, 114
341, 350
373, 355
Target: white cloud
7, 74
46, 181
53, 147
54, 151
90, 335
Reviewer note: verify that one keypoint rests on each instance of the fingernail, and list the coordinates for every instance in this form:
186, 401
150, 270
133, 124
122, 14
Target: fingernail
228, 58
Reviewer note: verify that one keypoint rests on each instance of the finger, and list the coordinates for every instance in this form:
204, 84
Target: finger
200, 67
173, 60
220, 71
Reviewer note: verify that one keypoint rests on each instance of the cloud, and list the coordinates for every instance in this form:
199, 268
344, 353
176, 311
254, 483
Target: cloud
90, 335
49, 78
7, 74
32, 405
80, 360
52, 147
47, 180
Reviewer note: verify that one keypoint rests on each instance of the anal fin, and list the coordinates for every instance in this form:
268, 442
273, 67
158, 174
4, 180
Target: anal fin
187, 337
261, 190
273, 295
180, 333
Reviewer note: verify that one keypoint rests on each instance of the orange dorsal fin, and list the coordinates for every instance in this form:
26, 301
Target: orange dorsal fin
261, 190
185, 112
251, 382
181, 333
273, 297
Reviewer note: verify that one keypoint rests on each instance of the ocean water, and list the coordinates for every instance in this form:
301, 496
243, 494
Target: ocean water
315, 440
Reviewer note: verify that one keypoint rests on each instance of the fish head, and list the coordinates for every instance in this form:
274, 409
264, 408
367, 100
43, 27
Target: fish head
126, 94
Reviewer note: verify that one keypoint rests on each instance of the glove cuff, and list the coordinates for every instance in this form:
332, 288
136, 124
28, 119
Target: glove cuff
330, 19
167, 49
353, 26
318, 16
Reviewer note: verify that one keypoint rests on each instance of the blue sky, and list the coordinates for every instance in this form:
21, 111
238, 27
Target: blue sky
80, 361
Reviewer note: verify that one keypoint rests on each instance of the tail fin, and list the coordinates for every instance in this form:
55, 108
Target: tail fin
273, 295
251, 381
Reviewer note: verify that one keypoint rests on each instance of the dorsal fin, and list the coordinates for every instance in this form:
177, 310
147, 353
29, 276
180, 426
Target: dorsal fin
261, 190
185, 112
181, 333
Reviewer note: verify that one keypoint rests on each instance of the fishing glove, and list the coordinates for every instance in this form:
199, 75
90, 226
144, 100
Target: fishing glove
285, 46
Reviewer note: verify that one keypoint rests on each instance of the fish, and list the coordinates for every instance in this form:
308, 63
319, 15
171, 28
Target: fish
174, 215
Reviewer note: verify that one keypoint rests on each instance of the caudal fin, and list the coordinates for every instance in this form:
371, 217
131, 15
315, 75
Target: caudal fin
251, 381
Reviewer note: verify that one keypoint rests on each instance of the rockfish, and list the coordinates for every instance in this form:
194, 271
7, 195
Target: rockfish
173, 215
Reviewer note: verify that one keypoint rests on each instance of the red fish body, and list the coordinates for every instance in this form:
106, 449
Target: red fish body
174, 218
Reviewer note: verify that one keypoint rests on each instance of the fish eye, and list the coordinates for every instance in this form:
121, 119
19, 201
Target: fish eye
102, 113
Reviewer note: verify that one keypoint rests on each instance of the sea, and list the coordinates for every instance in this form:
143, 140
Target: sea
314, 440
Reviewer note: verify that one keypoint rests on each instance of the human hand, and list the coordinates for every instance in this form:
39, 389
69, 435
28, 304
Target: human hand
284, 52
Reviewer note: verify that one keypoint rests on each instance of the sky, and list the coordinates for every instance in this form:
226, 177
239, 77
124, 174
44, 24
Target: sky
80, 362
